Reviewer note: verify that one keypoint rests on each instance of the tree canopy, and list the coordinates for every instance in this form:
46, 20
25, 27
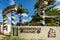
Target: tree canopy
48, 21
50, 2
52, 12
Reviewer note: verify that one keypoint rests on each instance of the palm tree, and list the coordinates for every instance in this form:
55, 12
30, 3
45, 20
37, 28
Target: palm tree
20, 11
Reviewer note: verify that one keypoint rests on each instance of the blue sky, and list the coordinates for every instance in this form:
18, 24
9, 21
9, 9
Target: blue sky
28, 4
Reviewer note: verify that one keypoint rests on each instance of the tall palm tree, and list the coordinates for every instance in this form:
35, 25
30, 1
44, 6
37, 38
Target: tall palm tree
20, 11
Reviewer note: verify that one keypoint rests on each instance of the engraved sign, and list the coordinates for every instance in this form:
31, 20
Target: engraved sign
30, 30
51, 33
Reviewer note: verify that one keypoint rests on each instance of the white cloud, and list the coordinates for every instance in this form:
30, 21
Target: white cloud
57, 3
58, 6
12, 2
24, 14
57, 0
9, 18
30, 18
26, 20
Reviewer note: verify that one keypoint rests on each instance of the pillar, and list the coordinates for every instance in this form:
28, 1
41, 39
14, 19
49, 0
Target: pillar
42, 21
14, 30
12, 22
4, 22
12, 19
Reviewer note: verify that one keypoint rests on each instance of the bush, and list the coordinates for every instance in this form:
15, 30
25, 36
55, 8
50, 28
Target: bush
51, 24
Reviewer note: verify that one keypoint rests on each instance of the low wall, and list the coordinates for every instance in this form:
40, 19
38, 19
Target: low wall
38, 32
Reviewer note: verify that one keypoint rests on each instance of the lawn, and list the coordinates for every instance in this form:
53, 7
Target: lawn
17, 38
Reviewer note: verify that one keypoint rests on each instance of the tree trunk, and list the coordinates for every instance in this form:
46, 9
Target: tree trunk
20, 21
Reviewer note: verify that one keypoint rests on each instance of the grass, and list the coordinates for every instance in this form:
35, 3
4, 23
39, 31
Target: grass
17, 38
12, 38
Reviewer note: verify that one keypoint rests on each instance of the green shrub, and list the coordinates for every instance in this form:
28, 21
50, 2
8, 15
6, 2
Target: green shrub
51, 24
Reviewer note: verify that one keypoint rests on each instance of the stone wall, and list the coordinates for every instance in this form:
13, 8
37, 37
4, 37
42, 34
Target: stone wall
6, 32
38, 32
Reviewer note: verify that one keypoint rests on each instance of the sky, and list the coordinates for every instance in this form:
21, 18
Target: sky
28, 4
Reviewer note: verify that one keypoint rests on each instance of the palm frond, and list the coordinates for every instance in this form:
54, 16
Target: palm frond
21, 10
